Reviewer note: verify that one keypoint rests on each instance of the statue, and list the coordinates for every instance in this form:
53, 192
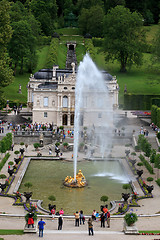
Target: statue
20, 90
41, 139
78, 183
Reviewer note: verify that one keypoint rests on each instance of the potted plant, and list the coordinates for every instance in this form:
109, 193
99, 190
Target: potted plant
36, 146
130, 218
129, 223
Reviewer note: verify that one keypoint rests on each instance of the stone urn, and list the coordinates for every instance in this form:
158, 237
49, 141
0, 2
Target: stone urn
17, 160
10, 171
139, 173
125, 196
3, 186
28, 195
150, 189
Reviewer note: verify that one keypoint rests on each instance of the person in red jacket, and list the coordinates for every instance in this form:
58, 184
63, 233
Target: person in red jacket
30, 222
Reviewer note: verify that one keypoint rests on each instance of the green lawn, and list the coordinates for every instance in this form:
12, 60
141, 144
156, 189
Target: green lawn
139, 80
10, 232
68, 31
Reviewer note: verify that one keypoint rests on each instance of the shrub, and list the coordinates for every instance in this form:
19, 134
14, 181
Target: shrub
158, 135
146, 163
52, 198
22, 143
104, 198
130, 218
65, 144
149, 179
4, 160
139, 164
126, 186
36, 145
158, 181
28, 185
10, 163
61, 127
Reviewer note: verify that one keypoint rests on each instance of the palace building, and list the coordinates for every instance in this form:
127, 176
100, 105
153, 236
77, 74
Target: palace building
51, 95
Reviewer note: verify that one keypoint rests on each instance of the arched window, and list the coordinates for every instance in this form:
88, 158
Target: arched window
65, 101
72, 119
64, 119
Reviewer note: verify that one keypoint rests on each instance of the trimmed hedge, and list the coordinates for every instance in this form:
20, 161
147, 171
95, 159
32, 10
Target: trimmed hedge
90, 48
146, 164
138, 102
53, 53
6, 143
158, 181
4, 160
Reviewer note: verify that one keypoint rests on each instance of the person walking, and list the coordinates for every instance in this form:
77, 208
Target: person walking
41, 224
102, 219
108, 219
60, 222
81, 217
53, 211
90, 226
76, 219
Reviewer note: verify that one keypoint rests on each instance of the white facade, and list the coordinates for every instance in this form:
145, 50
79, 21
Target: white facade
51, 95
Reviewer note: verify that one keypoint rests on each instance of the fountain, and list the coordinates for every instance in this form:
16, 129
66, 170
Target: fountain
93, 124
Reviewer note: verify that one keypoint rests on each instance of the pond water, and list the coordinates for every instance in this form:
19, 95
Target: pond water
103, 177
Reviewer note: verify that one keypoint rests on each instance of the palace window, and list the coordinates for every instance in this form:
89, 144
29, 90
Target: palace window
45, 114
65, 102
45, 101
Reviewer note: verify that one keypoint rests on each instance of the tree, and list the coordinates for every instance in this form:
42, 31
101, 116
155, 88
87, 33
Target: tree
156, 47
87, 4
104, 198
91, 21
52, 198
126, 186
46, 13
6, 74
28, 185
124, 37
22, 43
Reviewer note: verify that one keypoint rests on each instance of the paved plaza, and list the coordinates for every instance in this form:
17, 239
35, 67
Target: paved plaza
149, 208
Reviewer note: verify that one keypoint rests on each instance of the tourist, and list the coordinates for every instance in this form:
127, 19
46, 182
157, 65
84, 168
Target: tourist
94, 215
90, 226
108, 219
50, 151
41, 224
81, 217
102, 219
60, 222
53, 213
76, 219
97, 216
61, 212
30, 221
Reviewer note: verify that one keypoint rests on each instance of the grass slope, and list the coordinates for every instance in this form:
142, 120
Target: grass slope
139, 80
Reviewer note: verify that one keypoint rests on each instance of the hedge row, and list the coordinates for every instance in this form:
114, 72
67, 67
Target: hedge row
4, 160
158, 181
53, 53
144, 145
90, 48
146, 163
139, 102
155, 115
6, 143
98, 42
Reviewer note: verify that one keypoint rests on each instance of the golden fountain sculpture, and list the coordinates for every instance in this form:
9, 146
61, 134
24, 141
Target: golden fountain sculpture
78, 183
